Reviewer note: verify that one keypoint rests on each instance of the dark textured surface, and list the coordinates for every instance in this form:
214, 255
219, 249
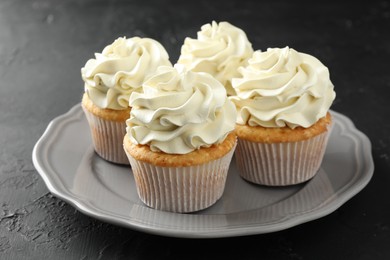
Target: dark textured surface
43, 45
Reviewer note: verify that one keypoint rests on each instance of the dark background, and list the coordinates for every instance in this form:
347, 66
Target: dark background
43, 45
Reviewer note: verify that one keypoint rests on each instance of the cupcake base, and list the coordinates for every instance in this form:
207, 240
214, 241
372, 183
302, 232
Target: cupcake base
281, 163
180, 188
107, 134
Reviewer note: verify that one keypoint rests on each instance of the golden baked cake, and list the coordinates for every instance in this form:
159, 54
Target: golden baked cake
109, 79
283, 123
180, 140
202, 155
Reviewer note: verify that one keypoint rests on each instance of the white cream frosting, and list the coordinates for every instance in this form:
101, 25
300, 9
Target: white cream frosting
120, 69
218, 50
180, 111
282, 87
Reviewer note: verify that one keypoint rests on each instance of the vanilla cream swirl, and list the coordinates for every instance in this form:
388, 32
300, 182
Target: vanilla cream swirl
218, 50
282, 87
180, 111
120, 69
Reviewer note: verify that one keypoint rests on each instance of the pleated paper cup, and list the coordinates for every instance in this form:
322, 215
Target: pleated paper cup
181, 189
107, 135
280, 164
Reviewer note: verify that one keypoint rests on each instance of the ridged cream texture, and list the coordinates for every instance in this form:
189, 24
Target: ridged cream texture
181, 189
280, 164
282, 87
120, 69
110, 149
180, 111
220, 48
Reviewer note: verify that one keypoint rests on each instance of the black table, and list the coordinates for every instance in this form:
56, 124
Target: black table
43, 45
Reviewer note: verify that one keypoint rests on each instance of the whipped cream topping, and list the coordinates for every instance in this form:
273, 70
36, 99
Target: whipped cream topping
120, 69
180, 111
282, 87
218, 50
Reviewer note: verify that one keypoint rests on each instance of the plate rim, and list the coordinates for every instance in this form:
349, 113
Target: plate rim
75, 113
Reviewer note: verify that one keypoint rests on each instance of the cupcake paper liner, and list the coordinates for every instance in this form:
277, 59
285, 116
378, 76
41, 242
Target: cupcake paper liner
107, 138
280, 164
181, 189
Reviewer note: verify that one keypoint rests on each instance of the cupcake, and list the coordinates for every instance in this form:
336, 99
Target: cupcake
180, 140
220, 48
283, 120
109, 79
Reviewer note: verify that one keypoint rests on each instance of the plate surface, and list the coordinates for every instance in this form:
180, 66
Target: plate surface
65, 159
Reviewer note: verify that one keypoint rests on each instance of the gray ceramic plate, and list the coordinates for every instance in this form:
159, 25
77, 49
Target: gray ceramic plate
65, 159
